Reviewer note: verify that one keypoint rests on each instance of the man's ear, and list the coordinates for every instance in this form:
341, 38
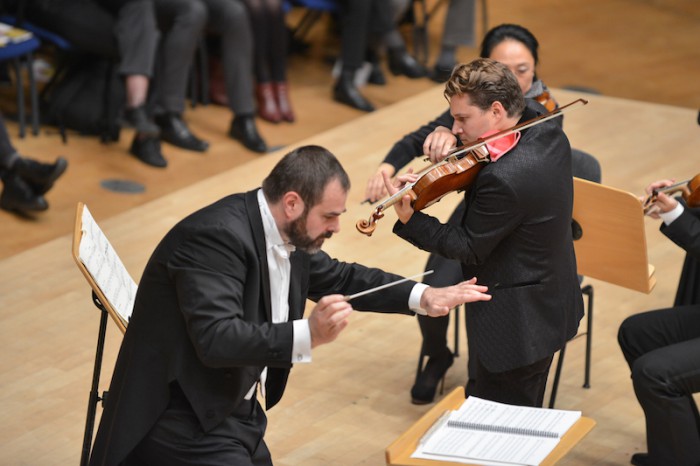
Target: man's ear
498, 110
293, 205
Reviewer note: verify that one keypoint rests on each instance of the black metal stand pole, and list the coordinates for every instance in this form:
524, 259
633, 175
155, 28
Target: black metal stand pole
94, 397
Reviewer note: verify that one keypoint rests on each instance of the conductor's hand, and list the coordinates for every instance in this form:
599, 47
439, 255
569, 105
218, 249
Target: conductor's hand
663, 202
439, 143
438, 301
328, 318
404, 210
375, 185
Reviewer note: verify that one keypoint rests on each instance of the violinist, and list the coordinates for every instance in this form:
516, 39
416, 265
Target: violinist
517, 48
662, 348
515, 236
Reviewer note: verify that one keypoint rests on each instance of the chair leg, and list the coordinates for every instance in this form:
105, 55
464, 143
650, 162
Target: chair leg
557, 376
20, 95
33, 94
455, 353
588, 291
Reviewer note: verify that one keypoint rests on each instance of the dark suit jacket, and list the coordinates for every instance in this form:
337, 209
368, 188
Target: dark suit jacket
202, 317
516, 238
685, 231
681, 232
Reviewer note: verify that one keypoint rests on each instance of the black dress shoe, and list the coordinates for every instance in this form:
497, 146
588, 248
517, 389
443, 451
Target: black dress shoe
41, 176
243, 129
641, 459
402, 63
18, 195
441, 74
174, 130
147, 150
376, 75
346, 93
423, 391
138, 119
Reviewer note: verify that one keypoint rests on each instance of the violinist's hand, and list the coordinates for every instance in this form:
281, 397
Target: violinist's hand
328, 318
438, 301
663, 203
403, 208
375, 185
439, 143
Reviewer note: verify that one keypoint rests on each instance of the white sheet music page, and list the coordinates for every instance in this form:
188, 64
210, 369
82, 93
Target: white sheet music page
106, 268
489, 433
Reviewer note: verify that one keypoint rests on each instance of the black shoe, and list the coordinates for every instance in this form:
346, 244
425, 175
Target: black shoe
346, 93
18, 195
641, 459
243, 129
402, 63
441, 74
423, 391
174, 130
147, 150
376, 75
41, 176
138, 119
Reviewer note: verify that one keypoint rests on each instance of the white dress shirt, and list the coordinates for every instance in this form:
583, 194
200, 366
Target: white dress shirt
279, 273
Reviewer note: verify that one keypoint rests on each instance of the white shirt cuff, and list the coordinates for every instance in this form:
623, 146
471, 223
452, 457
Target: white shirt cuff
671, 215
414, 299
301, 348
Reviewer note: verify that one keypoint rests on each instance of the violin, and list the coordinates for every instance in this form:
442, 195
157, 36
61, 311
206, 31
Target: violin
547, 101
456, 172
689, 189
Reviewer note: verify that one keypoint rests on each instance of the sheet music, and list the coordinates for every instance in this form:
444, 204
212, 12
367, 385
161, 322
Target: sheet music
490, 433
106, 268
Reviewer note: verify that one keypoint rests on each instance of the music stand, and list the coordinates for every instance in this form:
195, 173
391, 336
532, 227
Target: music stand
609, 236
113, 292
400, 451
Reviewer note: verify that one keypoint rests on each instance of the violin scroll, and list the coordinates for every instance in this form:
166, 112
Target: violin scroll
367, 227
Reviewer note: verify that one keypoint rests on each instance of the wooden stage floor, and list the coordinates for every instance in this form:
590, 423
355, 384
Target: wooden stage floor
353, 401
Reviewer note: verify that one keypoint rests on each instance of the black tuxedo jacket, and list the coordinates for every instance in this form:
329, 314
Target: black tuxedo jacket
685, 231
516, 238
202, 317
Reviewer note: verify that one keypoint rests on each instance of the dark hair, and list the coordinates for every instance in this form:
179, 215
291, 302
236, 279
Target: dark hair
305, 170
509, 31
486, 81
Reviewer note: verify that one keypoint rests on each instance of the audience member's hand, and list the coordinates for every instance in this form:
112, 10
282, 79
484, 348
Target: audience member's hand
328, 318
438, 301
439, 143
375, 185
404, 210
663, 202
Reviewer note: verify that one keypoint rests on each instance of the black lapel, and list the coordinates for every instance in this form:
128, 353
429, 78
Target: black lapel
296, 301
253, 208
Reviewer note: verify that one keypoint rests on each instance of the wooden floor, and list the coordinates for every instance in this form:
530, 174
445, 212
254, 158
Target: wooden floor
353, 400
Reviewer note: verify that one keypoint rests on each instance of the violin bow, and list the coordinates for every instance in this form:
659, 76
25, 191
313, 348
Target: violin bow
367, 227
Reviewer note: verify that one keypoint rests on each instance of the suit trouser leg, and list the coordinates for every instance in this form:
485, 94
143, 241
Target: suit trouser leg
459, 26
523, 386
181, 23
229, 18
177, 439
663, 350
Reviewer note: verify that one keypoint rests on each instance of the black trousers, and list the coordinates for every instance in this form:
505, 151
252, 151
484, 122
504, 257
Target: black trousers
177, 439
662, 348
523, 386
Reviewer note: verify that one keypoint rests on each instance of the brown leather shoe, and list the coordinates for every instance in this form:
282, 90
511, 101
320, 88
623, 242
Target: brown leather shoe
283, 103
267, 104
